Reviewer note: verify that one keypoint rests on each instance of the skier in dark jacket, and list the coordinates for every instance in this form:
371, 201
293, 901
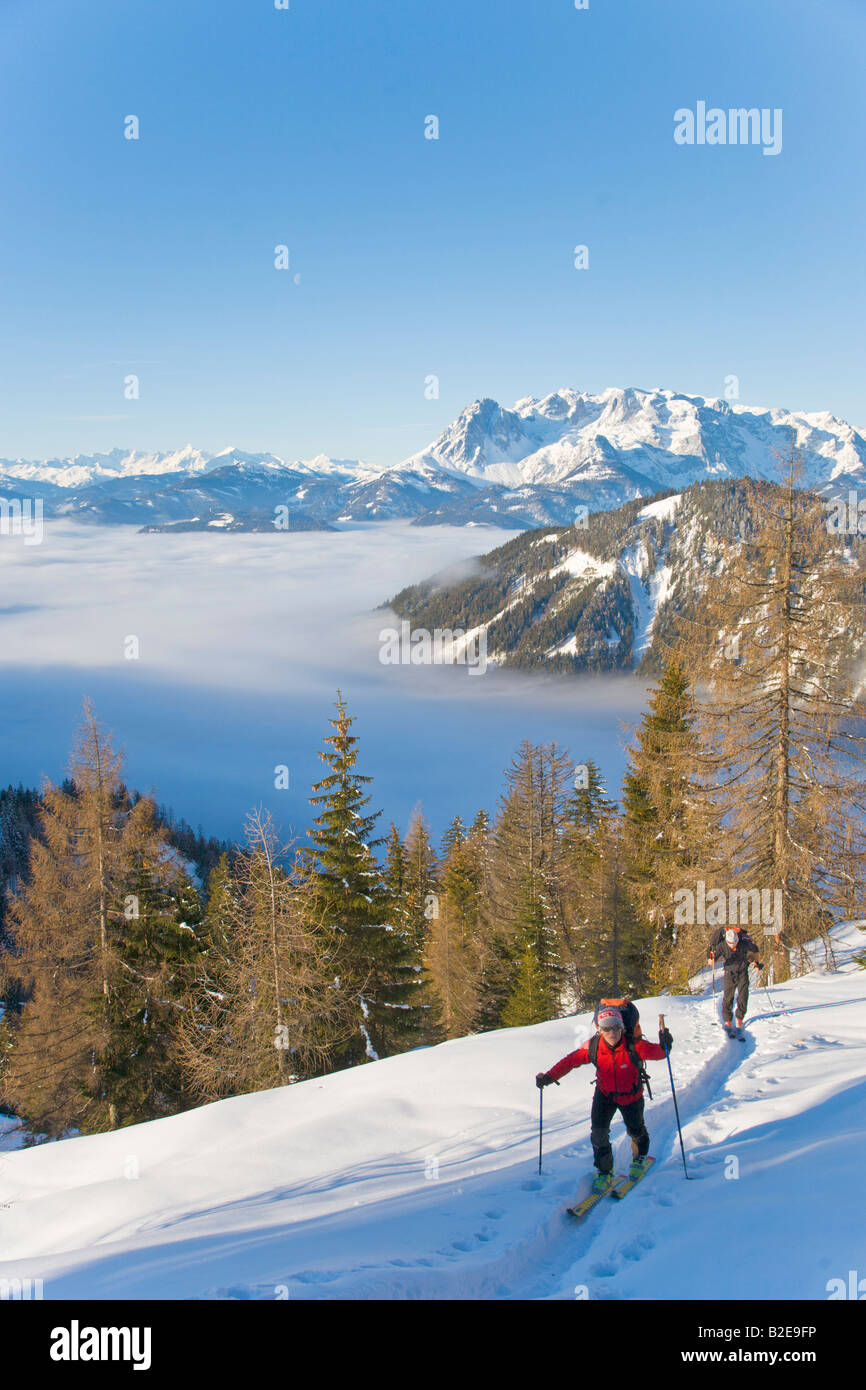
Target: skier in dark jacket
736, 950
618, 1086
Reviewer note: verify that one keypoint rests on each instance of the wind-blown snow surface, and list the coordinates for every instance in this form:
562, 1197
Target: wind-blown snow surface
416, 1177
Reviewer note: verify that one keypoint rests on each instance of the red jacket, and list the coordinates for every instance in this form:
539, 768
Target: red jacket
616, 1074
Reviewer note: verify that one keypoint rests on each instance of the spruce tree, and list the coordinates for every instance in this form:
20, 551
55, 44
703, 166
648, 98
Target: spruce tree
379, 962
609, 949
529, 1001
665, 833
157, 954
420, 880
527, 867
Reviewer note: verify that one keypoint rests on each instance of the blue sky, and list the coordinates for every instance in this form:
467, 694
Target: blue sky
415, 257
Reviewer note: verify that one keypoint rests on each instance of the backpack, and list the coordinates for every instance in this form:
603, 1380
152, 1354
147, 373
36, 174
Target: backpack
628, 1012
631, 1032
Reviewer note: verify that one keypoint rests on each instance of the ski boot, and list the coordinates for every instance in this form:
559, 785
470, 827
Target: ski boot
602, 1182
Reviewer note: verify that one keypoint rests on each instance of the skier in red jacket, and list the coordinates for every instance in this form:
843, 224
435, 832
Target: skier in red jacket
618, 1086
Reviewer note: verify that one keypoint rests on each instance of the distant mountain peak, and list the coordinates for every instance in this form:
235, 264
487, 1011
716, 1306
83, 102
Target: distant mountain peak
531, 464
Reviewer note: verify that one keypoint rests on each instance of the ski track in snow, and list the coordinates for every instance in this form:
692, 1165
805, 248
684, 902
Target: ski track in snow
365, 1223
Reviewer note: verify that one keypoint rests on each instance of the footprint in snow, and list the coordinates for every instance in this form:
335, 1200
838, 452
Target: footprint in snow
533, 1185
604, 1271
495, 1213
636, 1249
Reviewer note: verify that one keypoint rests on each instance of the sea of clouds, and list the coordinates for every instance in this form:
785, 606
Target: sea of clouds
215, 659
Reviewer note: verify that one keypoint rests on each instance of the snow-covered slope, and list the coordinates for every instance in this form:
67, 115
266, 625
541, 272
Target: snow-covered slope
417, 1177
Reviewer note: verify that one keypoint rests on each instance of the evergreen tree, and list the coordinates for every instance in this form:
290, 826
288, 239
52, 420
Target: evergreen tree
420, 880
380, 969
610, 951
665, 823
156, 952
589, 802
455, 833
527, 866
529, 1001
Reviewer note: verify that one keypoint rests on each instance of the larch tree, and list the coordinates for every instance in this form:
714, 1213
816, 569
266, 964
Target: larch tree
268, 1010
783, 716
453, 948
67, 1054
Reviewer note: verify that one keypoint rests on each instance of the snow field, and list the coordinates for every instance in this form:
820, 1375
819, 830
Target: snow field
416, 1177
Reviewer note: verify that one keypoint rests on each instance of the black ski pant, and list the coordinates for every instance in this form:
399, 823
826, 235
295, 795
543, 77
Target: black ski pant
736, 982
603, 1110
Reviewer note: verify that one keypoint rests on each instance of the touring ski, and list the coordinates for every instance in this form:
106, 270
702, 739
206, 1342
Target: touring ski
620, 1191
594, 1197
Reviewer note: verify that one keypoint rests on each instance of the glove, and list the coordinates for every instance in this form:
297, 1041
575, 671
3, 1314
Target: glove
665, 1039
710, 958
542, 1079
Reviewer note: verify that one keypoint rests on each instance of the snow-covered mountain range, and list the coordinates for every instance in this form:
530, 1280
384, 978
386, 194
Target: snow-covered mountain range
535, 464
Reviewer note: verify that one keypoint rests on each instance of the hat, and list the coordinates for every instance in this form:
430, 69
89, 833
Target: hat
610, 1018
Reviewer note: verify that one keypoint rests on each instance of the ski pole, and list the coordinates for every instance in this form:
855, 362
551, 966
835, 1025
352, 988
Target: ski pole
541, 1121
674, 1093
766, 989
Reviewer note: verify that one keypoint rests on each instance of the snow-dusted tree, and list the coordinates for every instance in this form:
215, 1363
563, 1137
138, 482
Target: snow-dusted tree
784, 712
666, 819
267, 1009
610, 950
527, 866
420, 880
